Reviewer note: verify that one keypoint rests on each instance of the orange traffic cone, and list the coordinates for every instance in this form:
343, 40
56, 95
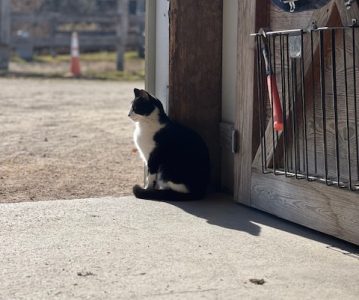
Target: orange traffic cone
75, 55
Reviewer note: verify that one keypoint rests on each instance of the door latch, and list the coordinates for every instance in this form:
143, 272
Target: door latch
234, 141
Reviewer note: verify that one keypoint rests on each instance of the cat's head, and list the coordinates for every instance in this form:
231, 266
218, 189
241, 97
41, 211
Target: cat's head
146, 108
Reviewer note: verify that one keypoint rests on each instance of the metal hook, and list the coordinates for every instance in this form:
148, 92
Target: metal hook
291, 5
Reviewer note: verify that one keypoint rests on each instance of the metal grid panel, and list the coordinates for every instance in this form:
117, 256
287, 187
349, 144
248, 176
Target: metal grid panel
316, 74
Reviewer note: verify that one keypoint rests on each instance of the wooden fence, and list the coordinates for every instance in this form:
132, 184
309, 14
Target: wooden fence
29, 32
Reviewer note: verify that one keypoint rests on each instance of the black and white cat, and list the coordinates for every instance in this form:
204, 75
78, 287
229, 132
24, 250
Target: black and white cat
176, 157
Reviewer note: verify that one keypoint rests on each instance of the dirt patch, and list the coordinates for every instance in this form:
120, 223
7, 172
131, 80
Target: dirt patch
66, 139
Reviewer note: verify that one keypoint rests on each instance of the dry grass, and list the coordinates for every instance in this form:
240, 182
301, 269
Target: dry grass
99, 65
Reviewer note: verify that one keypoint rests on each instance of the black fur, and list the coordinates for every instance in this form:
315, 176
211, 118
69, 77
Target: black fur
180, 155
163, 195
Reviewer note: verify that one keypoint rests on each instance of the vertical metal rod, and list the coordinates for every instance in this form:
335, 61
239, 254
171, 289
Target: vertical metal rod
259, 95
264, 97
335, 105
322, 95
294, 121
282, 70
294, 91
305, 137
290, 109
347, 109
314, 109
355, 103
275, 163
301, 154
272, 97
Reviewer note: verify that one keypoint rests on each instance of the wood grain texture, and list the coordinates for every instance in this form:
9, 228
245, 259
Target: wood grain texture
227, 155
5, 10
195, 70
347, 15
121, 33
226, 130
327, 209
150, 47
280, 20
251, 16
315, 205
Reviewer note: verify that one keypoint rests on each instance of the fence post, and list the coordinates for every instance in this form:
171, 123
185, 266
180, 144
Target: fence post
121, 32
5, 10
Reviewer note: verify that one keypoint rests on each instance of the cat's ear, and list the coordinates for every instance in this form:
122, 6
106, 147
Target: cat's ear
136, 92
141, 93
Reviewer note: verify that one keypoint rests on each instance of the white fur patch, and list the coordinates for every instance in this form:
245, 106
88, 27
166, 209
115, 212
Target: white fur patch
146, 128
169, 185
150, 180
178, 187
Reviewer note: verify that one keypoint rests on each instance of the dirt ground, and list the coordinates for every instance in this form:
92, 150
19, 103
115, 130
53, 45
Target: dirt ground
66, 139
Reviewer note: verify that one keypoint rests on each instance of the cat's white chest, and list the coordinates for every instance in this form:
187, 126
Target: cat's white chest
144, 138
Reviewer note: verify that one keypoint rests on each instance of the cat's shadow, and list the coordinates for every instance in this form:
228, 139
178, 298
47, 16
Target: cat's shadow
221, 210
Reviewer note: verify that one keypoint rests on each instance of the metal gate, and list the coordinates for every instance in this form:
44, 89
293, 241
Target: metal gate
308, 104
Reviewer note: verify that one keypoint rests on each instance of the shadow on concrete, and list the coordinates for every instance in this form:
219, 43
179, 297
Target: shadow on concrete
220, 210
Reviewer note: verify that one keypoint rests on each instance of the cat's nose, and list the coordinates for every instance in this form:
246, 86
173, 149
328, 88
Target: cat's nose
130, 114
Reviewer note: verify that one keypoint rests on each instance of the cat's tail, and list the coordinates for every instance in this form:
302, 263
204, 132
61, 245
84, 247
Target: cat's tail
164, 195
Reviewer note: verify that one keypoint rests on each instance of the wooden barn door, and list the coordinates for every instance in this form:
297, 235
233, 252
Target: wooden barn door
316, 205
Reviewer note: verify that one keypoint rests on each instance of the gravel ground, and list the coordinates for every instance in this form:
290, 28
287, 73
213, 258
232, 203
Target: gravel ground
66, 139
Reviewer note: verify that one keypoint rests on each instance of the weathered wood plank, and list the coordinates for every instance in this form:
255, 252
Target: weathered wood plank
347, 15
280, 20
251, 16
225, 133
121, 33
195, 70
150, 47
5, 10
226, 140
4, 34
121, 27
314, 205
62, 18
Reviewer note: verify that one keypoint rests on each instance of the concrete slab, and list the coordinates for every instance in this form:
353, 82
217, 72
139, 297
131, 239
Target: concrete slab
121, 248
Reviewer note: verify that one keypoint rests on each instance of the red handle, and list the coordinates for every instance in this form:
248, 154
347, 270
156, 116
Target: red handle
277, 108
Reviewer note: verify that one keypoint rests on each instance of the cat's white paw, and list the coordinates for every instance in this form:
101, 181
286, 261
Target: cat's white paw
151, 181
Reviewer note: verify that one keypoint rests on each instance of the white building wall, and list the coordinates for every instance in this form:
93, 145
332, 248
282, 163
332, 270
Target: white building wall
162, 51
157, 49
